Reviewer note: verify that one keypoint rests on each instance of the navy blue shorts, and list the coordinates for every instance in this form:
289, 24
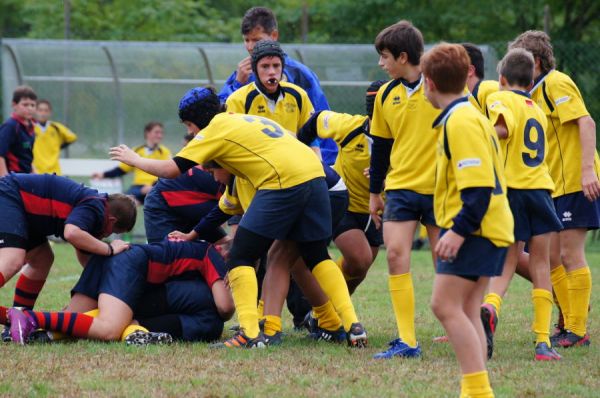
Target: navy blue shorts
575, 211
339, 206
191, 301
533, 211
14, 227
160, 220
301, 213
406, 205
362, 222
476, 257
136, 192
122, 276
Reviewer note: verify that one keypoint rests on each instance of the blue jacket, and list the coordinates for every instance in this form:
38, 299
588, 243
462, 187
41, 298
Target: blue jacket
301, 75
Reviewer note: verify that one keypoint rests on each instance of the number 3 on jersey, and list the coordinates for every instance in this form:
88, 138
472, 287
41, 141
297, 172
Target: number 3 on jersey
273, 130
537, 145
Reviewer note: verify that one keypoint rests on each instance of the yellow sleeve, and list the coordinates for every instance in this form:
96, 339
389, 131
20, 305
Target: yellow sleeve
205, 146
495, 108
66, 135
335, 125
230, 204
470, 155
235, 104
567, 100
166, 153
379, 126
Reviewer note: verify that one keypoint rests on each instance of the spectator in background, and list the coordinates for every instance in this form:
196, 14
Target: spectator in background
16, 134
152, 149
50, 138
259, 23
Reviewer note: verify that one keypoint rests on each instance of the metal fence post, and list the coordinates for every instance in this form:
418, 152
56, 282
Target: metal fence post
118, 98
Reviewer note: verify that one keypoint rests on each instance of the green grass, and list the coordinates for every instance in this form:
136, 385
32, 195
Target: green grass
300, 368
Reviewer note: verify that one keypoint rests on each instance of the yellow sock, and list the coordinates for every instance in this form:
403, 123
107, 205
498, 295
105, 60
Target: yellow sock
403, 301
272, 324
130, 329
558, 276
260, 310
333, 284
542, 315
463, 393
340, 263
61, 336
495, 300
328, 318
244, 289
477, 385
580, 289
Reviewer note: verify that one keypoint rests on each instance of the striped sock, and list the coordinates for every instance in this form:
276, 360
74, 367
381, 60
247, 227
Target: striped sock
27, 291
72, 323
3, 315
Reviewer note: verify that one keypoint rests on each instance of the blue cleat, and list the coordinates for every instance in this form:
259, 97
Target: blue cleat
545, 353
399, 348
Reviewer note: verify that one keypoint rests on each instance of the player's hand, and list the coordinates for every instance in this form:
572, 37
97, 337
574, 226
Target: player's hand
124, 154
119, 246
367, 172
244, 70
590, 184
376, 206
182, 236
97, 175
448, 246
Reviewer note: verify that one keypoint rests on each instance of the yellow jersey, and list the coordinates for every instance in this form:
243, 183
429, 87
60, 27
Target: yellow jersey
256, 149
561, 101
350, 133
525, 149
140, 177
291, 110
49, 140
237, 197
405, 115
481, 91
468, 157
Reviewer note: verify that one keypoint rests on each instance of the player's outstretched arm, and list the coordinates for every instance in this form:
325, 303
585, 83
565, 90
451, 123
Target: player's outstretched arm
83, 240
587, 136
160, 168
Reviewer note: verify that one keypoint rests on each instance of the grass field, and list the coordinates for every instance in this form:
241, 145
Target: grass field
300, 368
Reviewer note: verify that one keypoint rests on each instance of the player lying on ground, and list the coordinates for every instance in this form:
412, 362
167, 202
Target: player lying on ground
470, 207
116, 285
36, 206
291, 202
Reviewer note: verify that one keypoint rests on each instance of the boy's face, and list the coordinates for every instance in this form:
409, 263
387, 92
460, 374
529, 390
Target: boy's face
43, 112
393, 67
154, 136
25, 108
191, 127
257, 34
221, 176
269, 72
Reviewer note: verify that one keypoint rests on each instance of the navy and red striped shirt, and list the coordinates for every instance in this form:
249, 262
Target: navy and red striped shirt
51, 201
16, 144
170, 259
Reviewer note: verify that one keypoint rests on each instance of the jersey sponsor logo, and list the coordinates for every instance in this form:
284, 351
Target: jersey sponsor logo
396, 100
290, 108
261, 109
470, 162
199, 136
529, 102
326, 122
560, 100
494, 104
227, 204
567, 216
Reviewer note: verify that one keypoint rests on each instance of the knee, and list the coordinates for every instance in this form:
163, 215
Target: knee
398, 256
226, 310
10, 266
357, 267
439, 309
106, 331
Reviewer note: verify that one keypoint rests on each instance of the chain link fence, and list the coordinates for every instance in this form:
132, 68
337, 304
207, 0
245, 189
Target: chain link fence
107, 91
